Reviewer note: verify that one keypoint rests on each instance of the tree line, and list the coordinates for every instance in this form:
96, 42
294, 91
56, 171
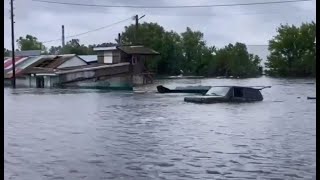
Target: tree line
292, 52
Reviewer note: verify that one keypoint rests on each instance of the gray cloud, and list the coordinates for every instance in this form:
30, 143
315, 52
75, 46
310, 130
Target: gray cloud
220, 25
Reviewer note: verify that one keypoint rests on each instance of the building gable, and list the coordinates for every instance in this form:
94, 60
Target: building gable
74, 61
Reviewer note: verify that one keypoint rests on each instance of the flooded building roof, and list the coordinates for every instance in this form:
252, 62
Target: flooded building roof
89, 58
55, 62
112, 48
39, 64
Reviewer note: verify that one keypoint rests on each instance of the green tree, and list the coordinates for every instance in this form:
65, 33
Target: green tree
108, 44
197, 55
154, 36
7, 52
74, 47
55, 50
188, 52
172, 59
30, 43
207, 57
293, 51
193, 48
234, 60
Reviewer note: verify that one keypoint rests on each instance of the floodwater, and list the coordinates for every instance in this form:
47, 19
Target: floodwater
93, 135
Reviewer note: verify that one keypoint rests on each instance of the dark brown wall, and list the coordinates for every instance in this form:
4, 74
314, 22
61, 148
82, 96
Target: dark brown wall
100, 55
116, 57
119, 57
139, 67
112, 71
124, 57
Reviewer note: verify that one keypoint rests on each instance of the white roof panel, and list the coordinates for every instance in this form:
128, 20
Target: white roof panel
105, 48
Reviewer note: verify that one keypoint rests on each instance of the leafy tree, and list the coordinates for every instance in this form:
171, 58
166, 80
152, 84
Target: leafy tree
154, 36
74, 47
172, 58
30, 43
196, 53
108, 44
7, 52
55, 50
187, 52
149, 34
293, 51
234, 60
208, 56
193, 49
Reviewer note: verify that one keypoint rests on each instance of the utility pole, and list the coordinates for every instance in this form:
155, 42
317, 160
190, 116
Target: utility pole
136, 33
137, 27
63, 42
119, 39
13, 49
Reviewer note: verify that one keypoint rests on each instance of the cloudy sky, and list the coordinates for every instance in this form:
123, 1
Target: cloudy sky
253, 25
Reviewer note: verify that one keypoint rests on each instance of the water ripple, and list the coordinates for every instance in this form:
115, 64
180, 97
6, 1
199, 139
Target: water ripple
91, 134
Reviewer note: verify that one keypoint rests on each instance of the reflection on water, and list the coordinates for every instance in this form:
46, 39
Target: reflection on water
94, 134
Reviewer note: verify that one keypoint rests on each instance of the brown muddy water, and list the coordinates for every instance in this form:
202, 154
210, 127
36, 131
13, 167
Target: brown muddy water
93, 135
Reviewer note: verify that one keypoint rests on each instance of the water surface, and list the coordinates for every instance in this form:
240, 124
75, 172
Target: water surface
92, 134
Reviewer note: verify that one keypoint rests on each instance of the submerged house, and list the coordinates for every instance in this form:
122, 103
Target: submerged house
38, 71
22, 59
117, 67
42, 73
136, 56
120, 67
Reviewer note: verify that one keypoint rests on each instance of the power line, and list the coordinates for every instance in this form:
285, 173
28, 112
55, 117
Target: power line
231, 14
161, 7
75, 35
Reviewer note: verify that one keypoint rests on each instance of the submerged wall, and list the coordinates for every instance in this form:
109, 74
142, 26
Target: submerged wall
119, 82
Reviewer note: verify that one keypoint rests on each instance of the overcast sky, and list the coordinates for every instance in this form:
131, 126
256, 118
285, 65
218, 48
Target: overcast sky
220, 25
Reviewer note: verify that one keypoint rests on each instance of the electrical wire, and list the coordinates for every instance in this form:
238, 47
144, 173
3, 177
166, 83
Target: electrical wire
172, 7
97, 29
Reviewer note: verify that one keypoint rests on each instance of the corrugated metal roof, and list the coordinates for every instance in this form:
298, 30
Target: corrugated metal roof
20, 65
9, 74
105, 48
26, 64
89, 58
8, 63
29, 62
65, 55
52, 61
56, 62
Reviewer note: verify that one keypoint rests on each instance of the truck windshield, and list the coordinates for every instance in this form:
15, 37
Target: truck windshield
218, 91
